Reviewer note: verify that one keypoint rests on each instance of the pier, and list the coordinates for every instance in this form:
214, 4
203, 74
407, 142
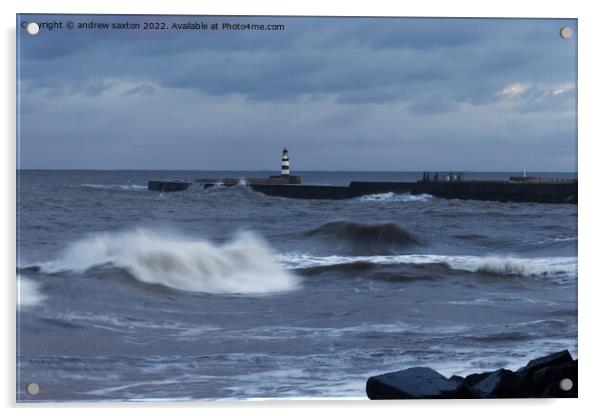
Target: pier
449, 185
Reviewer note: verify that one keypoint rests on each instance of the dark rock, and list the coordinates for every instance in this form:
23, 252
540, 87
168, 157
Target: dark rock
502, 383
464, 391
473, 379
546, 381
539, 378
413, 383
548, 360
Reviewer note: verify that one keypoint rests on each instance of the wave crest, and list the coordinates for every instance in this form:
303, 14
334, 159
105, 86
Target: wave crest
364, 239
393, 197
243, 265
115, 187
560, 269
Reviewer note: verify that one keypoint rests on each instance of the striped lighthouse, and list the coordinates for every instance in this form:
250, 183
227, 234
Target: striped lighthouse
285, 163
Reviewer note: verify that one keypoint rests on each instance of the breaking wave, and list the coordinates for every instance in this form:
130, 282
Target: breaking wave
28, 292
393, 197
243, 265
561, 268
364, 239
116, 187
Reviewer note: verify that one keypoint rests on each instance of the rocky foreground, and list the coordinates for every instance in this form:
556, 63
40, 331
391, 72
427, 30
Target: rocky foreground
554, 375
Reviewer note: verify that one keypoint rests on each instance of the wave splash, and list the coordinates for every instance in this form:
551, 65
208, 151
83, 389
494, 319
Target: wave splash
116, 187
393, 197
242, 265
29, 293
562, 268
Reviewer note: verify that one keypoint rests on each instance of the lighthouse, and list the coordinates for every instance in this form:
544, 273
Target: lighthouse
285, 163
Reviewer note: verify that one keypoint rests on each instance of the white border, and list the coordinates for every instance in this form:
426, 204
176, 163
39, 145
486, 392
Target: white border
590, 25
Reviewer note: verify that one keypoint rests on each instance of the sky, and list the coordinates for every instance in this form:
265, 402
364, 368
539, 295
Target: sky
381, 94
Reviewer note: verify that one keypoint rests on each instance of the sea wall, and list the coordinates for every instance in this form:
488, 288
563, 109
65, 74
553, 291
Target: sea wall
542, 192
168, 186
304, 191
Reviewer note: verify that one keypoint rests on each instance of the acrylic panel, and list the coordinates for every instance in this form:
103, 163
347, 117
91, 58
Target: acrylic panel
278, 207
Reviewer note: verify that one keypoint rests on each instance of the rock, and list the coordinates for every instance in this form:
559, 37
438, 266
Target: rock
546, 381
473, 379
503, 383
539, 378
464, 391
413, 383
546, 361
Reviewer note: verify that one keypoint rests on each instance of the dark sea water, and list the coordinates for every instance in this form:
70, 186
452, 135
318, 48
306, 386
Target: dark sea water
127, 294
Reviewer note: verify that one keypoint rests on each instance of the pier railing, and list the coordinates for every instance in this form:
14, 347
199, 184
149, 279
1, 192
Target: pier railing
430, 177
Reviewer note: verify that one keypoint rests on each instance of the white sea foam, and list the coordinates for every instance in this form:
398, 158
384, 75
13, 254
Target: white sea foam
243, 265
515, 266
118, 187
393, 197
28, 292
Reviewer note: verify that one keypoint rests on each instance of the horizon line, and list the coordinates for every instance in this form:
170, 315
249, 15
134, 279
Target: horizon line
308, 170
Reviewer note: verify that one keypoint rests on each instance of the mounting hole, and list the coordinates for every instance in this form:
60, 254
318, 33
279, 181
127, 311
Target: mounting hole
566, 384
32, 389
33, 28
566, 32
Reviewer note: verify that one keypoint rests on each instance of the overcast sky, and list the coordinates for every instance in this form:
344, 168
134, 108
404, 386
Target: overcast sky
342, 94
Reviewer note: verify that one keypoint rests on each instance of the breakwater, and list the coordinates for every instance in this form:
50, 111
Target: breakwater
554, 192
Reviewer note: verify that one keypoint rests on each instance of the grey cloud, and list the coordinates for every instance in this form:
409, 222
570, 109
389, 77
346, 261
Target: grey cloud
141, 89
358, 60
433, 103
336, 78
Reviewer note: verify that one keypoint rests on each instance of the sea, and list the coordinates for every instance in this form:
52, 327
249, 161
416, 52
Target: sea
228, 294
